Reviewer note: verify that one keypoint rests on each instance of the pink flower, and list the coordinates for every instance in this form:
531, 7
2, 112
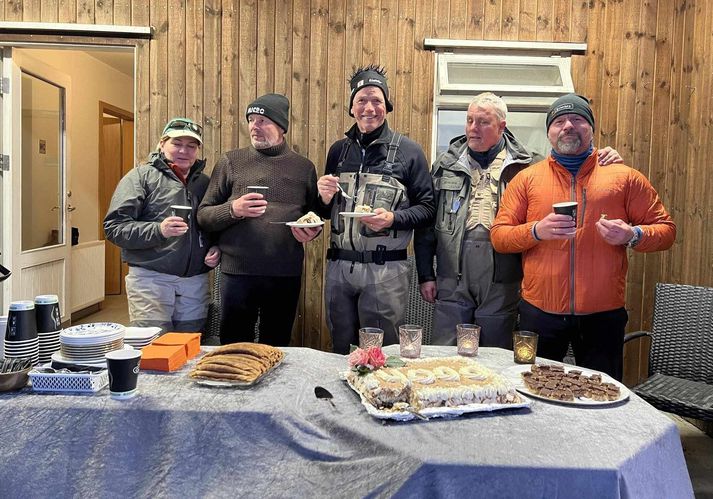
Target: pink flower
377, 358
358, 357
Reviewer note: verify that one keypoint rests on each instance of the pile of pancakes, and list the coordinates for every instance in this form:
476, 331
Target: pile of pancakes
238, 362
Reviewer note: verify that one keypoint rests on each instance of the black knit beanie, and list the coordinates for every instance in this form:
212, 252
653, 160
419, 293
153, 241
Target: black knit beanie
570, 104
274, 106
370, 76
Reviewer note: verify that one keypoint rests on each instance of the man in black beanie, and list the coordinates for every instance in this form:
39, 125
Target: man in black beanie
261, 262
367, 279
574, 284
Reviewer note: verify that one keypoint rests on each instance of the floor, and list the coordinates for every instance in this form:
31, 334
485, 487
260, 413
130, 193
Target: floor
697, 446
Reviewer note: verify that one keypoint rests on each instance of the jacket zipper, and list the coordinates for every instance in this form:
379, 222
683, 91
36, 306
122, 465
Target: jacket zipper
573, 195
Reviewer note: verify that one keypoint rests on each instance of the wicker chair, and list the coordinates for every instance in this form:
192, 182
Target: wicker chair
418, 311
681, 358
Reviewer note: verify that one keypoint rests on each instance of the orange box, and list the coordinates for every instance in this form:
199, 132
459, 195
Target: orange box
190, 341
163, 357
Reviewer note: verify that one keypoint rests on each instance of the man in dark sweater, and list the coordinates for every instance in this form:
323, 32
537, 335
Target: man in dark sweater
261, 262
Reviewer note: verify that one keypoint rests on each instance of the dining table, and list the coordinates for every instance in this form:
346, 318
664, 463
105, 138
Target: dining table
179, 438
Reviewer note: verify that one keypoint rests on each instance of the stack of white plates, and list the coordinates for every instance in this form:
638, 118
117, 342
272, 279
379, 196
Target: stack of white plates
49, 344
23, 349
139, 337
89, 343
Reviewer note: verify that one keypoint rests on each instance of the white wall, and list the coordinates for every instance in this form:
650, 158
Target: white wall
92, 81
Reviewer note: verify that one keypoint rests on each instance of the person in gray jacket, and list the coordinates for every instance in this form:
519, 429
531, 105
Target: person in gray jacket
474, 284
167, 283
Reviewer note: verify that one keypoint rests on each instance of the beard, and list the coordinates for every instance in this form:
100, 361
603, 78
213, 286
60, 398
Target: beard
568, 146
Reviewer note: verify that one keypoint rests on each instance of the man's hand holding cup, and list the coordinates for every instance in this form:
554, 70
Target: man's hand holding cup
250, 205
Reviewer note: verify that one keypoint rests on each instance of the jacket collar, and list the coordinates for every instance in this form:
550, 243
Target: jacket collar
456, 157
587, 167
385, 137
158, 161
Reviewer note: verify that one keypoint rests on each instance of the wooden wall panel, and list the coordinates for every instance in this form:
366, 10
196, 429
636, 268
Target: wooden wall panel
647, 71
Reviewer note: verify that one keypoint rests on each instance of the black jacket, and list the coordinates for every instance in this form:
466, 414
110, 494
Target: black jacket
411, 169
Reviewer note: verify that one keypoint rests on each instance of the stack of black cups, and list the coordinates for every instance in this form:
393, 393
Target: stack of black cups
21, 340
49, 325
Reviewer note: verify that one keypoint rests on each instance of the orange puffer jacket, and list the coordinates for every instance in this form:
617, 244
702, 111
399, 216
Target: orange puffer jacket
583, 275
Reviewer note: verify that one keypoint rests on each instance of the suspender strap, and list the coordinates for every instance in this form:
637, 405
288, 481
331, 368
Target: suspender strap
379, 257
391, 156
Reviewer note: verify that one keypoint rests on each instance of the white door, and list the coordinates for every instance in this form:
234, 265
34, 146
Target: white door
36, 234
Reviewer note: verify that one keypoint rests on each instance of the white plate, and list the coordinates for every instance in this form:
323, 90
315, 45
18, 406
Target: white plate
305, 226
141, 333
355, 214
101, 363
514, 375
92, 334
433, 412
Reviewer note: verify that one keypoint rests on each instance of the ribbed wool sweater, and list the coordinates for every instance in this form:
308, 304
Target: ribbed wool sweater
253, 246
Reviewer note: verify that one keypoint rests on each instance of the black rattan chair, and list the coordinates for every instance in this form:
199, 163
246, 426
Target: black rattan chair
681, 359
418, 311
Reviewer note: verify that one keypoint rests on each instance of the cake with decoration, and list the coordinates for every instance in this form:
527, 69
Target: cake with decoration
434, 382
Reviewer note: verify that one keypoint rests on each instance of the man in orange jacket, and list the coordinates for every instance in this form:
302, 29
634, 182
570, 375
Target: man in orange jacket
574, 268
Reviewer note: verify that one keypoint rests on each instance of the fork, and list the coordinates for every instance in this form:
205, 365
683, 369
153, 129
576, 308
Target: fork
339, 186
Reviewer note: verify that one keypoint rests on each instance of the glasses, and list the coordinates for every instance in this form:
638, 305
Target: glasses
4, 273
183, 124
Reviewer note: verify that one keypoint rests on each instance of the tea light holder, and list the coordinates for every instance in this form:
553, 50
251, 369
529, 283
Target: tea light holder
524, 347
468, 339
410, 339
370, 337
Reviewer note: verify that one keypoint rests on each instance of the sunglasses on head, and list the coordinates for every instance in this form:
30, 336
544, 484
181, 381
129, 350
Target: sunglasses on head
180, 124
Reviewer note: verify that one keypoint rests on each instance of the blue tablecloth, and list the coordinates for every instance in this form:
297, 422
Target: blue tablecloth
180, 439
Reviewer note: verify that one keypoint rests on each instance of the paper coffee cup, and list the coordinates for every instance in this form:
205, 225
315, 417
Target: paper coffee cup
259, 189
123, 366
566, 208
182, 211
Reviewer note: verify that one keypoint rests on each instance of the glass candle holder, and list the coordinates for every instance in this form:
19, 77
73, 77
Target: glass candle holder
370, 337
410, 338
468, 339
524, 345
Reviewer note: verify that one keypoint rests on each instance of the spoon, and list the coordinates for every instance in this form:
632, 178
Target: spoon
322, 393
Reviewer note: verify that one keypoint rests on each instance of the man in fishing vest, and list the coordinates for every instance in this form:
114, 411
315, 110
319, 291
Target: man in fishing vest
367, 277
474, 283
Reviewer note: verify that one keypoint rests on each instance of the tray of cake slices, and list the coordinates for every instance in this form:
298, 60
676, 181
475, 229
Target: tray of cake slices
433, 387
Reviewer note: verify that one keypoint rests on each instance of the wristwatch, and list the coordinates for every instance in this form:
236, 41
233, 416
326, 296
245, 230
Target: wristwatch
636, 237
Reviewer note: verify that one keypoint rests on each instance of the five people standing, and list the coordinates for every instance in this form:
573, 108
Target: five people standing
482, 234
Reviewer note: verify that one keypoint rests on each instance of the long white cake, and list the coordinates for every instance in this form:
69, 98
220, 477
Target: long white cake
434, 382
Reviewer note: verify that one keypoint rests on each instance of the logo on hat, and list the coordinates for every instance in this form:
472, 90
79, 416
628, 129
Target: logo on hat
375, 80
255, 110
563, 107
359, 83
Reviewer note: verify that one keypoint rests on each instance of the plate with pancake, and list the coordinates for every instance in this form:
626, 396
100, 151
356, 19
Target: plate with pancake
240, 365
564, 384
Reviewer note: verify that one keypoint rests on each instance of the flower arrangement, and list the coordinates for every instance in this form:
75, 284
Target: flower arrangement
364, 361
